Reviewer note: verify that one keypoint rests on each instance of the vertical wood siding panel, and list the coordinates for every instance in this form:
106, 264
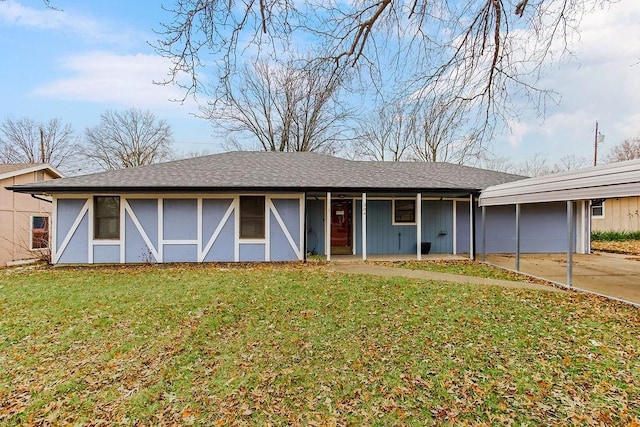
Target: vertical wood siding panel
382, 236
315, 226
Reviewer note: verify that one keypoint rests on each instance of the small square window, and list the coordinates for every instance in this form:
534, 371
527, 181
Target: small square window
252, 217
39, 232
404, 211
597, 209
106, 217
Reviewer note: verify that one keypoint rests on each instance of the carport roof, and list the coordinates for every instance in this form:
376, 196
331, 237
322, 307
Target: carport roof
620, 179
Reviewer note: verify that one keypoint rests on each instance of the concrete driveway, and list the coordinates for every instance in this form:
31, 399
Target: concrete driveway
613, 275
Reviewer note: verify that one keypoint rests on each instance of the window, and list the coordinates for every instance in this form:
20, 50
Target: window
39, 232
39, 176
252, 217
404, 211
106, 217
597, 209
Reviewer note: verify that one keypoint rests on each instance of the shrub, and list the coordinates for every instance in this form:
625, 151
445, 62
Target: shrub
614, 236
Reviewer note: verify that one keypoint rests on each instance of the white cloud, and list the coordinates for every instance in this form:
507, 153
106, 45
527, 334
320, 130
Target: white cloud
16, 14
103, 77
602, 82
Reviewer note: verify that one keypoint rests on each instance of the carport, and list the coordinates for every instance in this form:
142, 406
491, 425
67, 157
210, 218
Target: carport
577, 189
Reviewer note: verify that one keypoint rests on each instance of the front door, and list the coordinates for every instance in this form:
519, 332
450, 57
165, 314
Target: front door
341, 231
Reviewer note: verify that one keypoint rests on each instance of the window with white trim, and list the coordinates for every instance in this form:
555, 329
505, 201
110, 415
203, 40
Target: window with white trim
252, 217
404, 211
106, 217
39, 232
597, 209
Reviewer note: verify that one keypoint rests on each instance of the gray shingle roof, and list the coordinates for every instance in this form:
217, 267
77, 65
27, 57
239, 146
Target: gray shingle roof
275, 170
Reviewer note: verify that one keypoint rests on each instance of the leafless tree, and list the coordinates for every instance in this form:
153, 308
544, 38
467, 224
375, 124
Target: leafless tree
433, 130
441, 132
569, 162
282, 107
628, 150
384, 135
492, 161
28, 141
485, 51
128, 138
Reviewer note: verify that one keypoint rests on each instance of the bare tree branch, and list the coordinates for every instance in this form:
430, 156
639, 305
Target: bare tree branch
285, 108
484, 51
128, 138
28, 141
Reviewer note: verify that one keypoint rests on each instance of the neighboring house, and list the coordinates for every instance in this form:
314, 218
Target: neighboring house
616, 214
272, 206
24, 220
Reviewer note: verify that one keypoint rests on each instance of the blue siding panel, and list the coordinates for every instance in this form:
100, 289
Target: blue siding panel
77, 251
180, 253
180, 219
543, 228
357, 208
252, 252
146, 210
437, 225
68, 210
462, 224
280, 247
315, 226
213, 211
106, 254
289, 211
135, 248
382, 236
223, 248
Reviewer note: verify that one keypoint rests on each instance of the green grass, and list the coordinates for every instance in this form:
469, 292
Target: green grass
298, 345
465, 268
614, 236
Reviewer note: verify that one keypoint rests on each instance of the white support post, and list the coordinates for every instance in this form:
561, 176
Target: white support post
455, 227
588, 226
419, 226
364, 226
517, 237
472, 256
53, 227
484, 234
570, 242
327, 228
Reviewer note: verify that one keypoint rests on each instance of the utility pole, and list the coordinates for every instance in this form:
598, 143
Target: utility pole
598, 139
42, 157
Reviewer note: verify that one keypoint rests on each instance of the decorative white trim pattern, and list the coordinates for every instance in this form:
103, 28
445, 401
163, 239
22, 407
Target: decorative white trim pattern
76, 223
203, 247
225, 218
145, 237
285, 230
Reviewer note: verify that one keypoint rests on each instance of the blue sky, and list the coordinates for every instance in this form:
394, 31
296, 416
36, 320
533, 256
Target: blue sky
94, 55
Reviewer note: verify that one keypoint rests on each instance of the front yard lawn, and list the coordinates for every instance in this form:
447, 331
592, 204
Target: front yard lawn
299, 345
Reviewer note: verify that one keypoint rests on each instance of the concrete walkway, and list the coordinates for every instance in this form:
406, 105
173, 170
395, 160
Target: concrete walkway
379, 270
